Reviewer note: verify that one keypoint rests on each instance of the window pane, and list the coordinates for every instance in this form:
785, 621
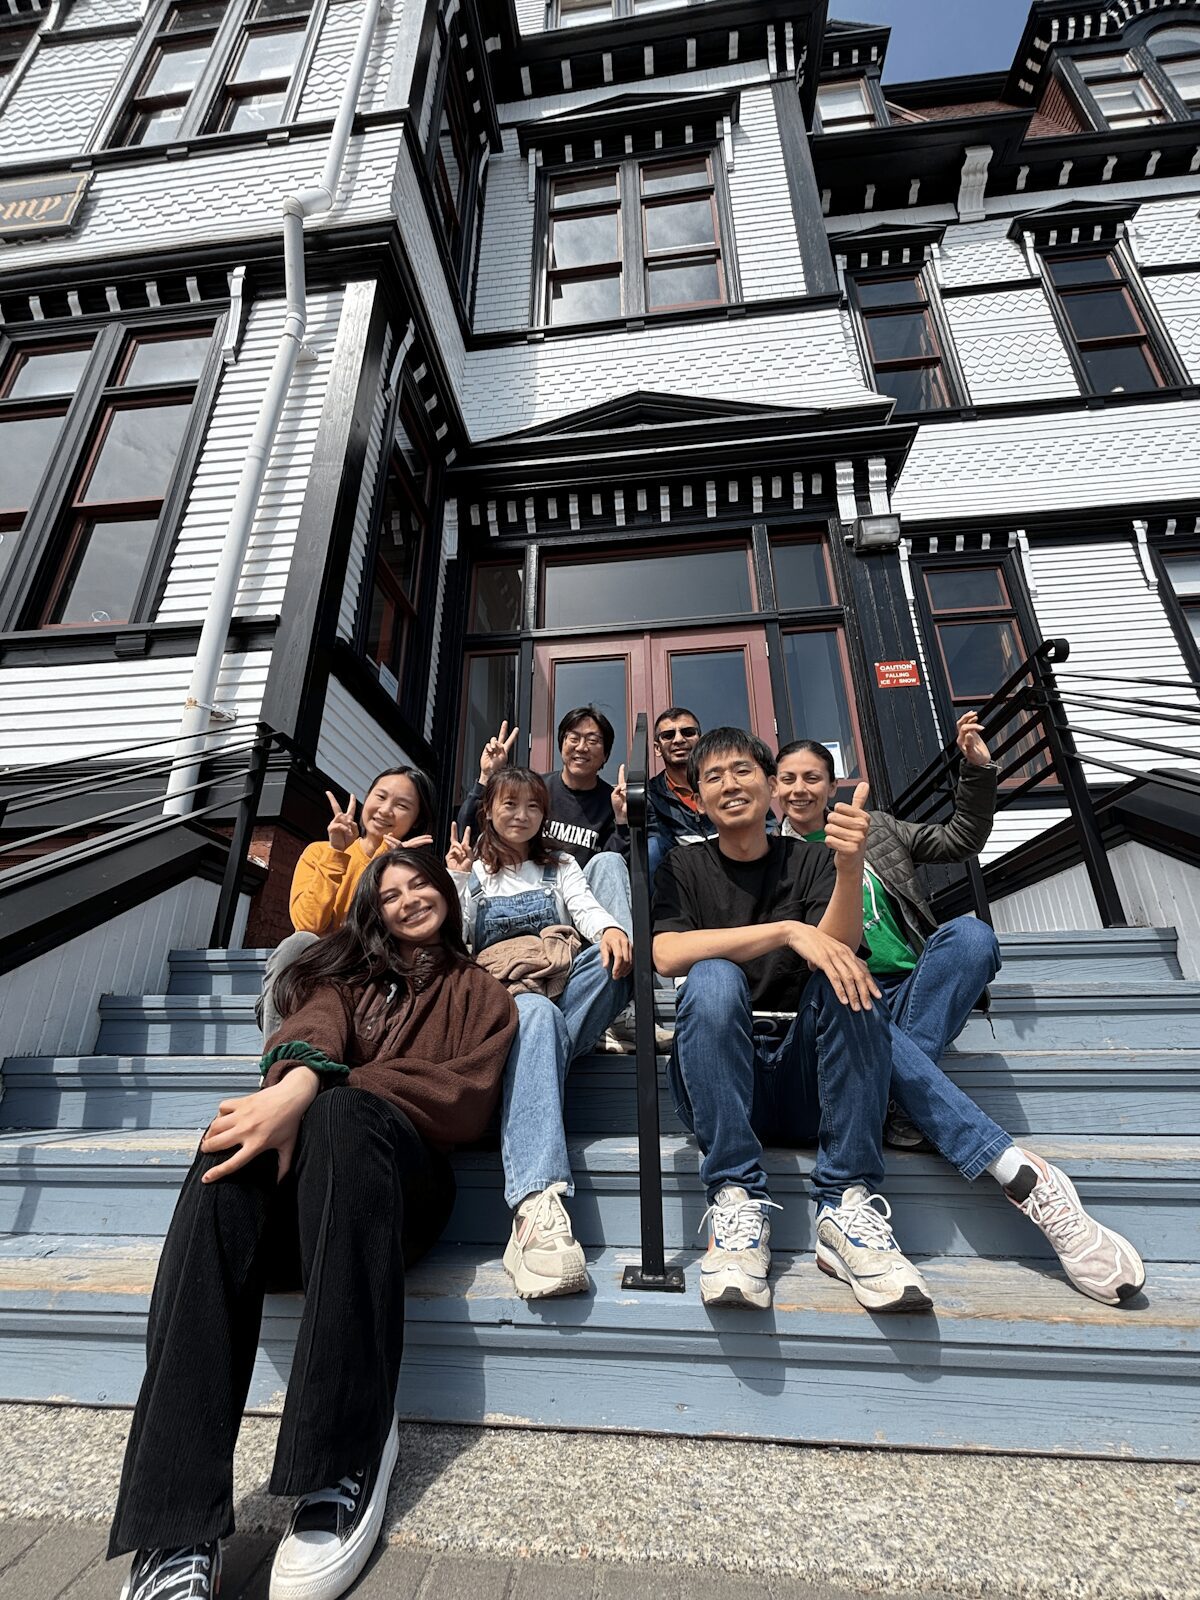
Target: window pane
966, 589
817, 692
600, 683
640, 7
107, 570
167, 360
592, 190
201, 14
1081, 269
48, 372
276, 10
448, 156
900, 336
716, 680
889, 291
1127, 102
498, 601
1185, 76
176, 70
1102, 66
491, 700
413, 457
1193, 622
696, 583
674, 175
137, 455
576, 16
268, 55
385, 626
980, 656
1184, 573
1125, 370
694, 285
400, 543
801, 577
585, 299
584, 241
1101, 314
25, 446
686, 222
156, 127
837, 101
255, 111
919, 389
1166, 41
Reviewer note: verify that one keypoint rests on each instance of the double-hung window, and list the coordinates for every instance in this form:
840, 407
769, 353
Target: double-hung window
255, 91
845, 107
453, 151
1156, 78
905, 344
639, 236
1107, 326
1119, 88
164, 88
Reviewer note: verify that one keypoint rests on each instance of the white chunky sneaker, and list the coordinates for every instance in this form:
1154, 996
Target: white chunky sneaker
620, 1039
542, 1257
735, 1267
192, 1572
1098, 1261
333, 1531
855, 1243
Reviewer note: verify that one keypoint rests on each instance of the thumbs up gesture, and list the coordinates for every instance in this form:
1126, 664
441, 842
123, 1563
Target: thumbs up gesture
846, 831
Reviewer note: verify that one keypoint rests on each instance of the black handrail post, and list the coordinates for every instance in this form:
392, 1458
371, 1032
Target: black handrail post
653, 1273
1068, 766
239, 843
978, 888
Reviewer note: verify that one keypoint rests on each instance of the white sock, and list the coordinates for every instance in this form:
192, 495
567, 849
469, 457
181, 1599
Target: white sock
1008, 1163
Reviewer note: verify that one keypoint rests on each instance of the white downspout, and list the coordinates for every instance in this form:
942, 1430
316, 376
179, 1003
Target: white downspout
211, 648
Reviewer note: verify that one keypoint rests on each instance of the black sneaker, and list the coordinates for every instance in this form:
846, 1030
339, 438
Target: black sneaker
900, 1133
191, 1573
333, 1531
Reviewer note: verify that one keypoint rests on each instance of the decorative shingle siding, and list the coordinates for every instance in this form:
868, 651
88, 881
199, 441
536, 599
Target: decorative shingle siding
348, 612
768, 253
981, 252
1009, 347
100, 14
331, 61
789, 360
226, 194
352, 747
264, 574
1168, 232
55, 106
1178, 300
1017, 465
506, 251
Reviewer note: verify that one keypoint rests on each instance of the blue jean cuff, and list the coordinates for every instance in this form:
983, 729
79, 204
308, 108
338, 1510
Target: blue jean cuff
980, 1163
536, 1187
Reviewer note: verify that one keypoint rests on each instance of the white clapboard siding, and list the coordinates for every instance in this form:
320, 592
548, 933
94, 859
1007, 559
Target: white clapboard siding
352, 747
980, 252
206, 520
50, 1005
764, 227
1157, 891
1018, 824
531, 16
1009, 347
54, 107
1178, 300
356, 560
331, 60
412, 218
1063, 901
57, 712
1018, 465
1096, 596
226, 195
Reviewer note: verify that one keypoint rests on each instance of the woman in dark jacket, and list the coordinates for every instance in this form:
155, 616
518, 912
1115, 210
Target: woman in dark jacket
333, 1177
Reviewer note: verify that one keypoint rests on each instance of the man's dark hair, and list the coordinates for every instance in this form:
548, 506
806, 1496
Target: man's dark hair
585, 714
673, 711
728, 742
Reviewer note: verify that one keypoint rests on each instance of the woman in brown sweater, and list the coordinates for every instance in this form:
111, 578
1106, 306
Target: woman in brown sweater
332, 1177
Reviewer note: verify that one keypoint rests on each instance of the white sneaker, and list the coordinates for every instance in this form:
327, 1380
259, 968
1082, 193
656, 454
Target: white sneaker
1098, 1261
542, 1257
333, 1531
735, 1268
620, 1039
855, 1243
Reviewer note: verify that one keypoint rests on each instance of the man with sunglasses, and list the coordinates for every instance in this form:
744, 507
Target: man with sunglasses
673, 815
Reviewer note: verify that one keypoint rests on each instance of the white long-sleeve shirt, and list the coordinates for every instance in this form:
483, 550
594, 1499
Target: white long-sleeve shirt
577, 904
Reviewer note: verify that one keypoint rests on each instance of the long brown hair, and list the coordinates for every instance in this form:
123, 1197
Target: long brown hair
490, 847
363, 950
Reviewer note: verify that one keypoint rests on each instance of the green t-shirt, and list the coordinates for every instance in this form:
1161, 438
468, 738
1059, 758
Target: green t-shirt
890, 951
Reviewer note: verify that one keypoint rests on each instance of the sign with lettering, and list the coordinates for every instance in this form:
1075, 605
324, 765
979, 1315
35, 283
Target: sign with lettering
42, 204
897, 674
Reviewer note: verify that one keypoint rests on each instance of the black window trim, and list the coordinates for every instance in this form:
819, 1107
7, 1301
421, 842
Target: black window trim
959, 395
470, 182
1161, 549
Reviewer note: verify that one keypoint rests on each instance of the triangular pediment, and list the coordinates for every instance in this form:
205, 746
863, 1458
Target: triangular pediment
643, 408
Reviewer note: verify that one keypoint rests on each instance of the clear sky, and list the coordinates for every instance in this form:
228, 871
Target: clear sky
942, 38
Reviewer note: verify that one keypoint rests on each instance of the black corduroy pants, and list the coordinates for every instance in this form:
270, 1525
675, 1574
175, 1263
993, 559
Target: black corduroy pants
366, 1196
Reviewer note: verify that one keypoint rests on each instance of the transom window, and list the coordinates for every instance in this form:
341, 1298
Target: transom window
903, 341
651, 588
845, 107
644, 236
1102, 318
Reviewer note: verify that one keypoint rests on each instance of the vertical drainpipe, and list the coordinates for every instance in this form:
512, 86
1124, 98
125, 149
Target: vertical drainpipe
210, 650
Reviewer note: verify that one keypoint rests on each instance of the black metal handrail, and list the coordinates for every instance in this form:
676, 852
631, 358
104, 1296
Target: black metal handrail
653, 1272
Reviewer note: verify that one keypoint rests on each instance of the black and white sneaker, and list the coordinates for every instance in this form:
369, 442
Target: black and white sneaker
333, 1531
190, 1573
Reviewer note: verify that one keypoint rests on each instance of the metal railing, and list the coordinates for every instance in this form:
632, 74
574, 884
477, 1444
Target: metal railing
59, 847
1033, 740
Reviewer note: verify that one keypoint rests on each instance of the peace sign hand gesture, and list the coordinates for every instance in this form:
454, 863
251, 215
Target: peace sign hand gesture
496, 752
620, 802
460, 855
846, 831
342, 829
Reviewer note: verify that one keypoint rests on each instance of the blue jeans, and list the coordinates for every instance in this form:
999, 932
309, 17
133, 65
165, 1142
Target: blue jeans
608, 878
550, 1034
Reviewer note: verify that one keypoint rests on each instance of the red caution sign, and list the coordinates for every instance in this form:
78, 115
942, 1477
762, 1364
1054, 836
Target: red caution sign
897, 675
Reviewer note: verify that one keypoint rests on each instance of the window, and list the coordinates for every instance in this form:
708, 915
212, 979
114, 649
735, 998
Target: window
1101, 316
389, 622
1177, 52
578, 13
1156, 79
644, 236
658, 588
845, 107
489, 698
497, 602
802, 576
1183, 574
453, 153
12, 47
818, 677
904, 344
1118, 87
163, 90
256, 85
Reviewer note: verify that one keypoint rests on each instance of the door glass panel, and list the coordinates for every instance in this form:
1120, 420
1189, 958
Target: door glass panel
817, 691
801, 576
980, 656
491, 700
498, 599
25, 446
695, 583
107, 571
48, 372
601, 682
966, 589
1124, 370
138, 454
713, 684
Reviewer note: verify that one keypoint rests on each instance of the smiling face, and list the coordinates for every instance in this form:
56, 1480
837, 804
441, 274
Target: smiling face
583, 753
392, 807
516, 815
412, 909
676, 738
735, 791
805, 790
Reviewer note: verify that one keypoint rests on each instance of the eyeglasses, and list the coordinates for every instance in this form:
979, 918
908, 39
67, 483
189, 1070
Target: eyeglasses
585, 741
665, 735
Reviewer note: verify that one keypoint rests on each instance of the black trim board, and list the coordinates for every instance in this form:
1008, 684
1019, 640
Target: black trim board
820, 275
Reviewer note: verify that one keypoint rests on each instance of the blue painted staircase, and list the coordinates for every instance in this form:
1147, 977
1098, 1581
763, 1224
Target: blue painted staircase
1092, 1056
